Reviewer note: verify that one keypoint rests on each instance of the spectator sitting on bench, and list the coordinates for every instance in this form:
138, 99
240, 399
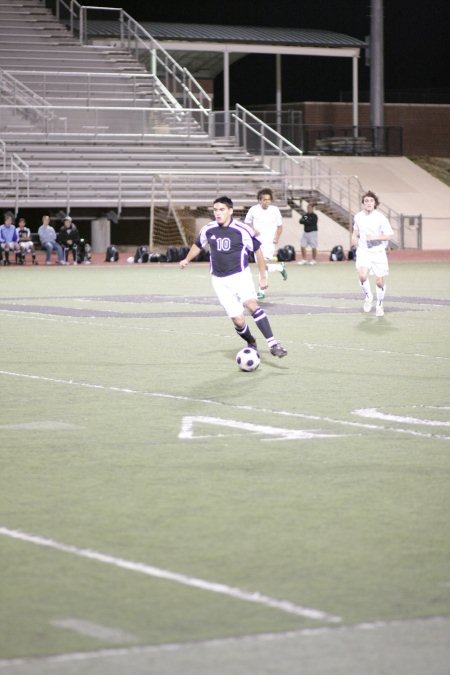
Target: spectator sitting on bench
47, 237
25, 243
8, 239
69, 238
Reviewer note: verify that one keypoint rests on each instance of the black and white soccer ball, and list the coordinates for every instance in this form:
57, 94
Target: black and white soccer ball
248, 359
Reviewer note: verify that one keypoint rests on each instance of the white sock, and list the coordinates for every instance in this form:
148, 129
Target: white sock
274, 267
380, 293
365, 285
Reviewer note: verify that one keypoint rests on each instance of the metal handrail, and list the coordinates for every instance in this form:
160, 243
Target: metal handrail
3, 154
42, 80
25, 97
19, 167
265, 131
135, 38
137, 114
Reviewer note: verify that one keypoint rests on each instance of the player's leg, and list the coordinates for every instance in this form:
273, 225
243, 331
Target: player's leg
32, 249
381, 291
381, 269
6, 253
362, 265
260, 318
268, 251
48, 252
226, 291
365, 286
313, 243
247, 296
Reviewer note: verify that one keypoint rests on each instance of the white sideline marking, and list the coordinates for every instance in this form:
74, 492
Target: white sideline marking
222, 404
94, 630
149, 570
280, 434
375, 414
217, 642
44, 425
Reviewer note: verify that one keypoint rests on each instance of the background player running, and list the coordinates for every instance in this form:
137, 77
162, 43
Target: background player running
266, 221
371, 234
230, 242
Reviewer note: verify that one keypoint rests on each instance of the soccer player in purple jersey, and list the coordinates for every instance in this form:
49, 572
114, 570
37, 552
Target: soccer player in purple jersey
229, 243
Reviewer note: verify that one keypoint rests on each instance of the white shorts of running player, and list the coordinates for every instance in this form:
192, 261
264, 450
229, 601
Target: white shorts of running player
375, 261
267, 248
234, 290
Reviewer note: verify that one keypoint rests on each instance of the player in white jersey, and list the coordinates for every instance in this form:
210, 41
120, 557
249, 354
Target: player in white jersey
25, 241
266, 221
371, 235
229, 243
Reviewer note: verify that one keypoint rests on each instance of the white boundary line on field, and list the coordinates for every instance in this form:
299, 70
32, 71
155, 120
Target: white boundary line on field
223, 404
159, 573
217, 642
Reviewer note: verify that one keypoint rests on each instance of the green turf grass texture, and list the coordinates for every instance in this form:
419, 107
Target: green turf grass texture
354, 524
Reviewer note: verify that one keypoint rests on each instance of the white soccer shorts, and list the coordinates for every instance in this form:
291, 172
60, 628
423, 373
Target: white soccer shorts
234, 290
375, 261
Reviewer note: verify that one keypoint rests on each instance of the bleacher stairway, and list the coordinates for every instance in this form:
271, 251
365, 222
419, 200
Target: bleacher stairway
89, 126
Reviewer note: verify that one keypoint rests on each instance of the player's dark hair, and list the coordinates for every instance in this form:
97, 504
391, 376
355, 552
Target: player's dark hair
369, 193
224, 200
264, 191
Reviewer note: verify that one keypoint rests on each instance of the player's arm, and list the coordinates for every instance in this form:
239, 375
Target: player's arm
193, 253
263, 282
277, 235
355, 235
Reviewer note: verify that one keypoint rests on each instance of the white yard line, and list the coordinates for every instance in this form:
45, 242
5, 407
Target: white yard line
159, 573
94, 630
220, 642
223, 404
375, 414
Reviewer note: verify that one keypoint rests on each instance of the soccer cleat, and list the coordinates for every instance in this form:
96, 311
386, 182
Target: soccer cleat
260, 295
368, 303
283, 272
379, 309
278, 350
313, 262
252, 345
301, 262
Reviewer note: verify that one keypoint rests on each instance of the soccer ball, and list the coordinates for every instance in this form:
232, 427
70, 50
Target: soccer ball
248, 359
130, 260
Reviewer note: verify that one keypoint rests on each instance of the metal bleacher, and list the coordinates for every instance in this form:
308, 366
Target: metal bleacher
120, 126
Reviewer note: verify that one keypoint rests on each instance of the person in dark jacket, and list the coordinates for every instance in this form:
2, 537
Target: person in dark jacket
310, 235
69, 238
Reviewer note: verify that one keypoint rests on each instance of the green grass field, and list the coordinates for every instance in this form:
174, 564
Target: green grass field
163, 512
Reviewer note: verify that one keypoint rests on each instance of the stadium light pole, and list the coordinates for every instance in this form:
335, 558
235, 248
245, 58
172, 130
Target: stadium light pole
377, 73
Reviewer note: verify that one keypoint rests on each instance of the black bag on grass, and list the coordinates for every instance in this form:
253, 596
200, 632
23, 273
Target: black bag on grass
141, 255
337, 253
112, 254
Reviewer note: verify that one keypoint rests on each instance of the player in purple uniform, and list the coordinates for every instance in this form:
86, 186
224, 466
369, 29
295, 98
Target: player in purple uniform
229, 243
